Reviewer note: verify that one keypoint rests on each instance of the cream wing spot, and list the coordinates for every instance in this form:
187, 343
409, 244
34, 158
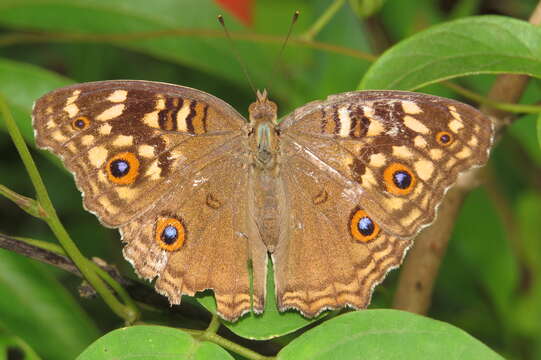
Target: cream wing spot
111, 113
455, 125
97, 156
410, 107
368, 178
118, 96
375, 128
50, 124
345, 121
402, 152
450, 163
160, 103
412, 216
106, 203
151, 119
473, 141
146, 151
73, 97
464, 153
87, 140
102, 177
395, 203
154, 171
182, 115
127, 193
377, 160
105, 129
415, 125
420, 141
58, 136
436, 154
71, 109
424, 169
425, 201
72, 147
368, 111
123, 140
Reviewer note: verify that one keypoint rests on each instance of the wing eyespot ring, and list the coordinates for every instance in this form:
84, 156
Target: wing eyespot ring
399, 179
444, 138
122, 168
80, 123
170, 233
362, 227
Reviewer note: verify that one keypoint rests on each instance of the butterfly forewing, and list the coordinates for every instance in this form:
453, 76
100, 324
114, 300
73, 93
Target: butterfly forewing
151, 128
401, 150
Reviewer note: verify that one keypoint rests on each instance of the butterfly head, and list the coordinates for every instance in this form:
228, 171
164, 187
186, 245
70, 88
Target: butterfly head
262, 110
263, 121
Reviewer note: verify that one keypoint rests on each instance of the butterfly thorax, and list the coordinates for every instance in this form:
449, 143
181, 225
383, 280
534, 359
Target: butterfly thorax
264, 141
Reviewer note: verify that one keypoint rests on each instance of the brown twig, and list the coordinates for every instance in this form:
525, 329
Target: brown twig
416, 279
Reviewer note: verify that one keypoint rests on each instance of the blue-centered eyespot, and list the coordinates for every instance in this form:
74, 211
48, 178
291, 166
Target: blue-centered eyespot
399, 179
170, 233
122, 168
80, 123
362, 227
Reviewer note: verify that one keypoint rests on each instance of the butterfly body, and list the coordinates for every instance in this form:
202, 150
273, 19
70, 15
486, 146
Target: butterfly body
334, 192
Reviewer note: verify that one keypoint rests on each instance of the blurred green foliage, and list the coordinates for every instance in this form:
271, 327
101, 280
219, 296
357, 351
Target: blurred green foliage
489, 284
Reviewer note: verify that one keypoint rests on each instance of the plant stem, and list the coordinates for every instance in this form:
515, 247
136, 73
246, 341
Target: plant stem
116, 39
323, 20
508, 107
227, 344
128, 312
29, 205
214, 325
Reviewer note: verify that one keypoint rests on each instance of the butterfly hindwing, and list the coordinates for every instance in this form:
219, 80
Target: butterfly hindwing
321, 261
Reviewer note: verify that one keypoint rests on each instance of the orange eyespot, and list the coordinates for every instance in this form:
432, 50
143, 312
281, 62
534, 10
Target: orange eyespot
80, 123
170, 233
399, 179
123, 168
445, 138
362, 227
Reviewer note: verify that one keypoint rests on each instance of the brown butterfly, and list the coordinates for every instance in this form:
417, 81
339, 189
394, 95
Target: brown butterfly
334, 192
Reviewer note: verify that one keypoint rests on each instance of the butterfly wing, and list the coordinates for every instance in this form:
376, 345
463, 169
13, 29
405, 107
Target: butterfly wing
369, 169
151, 159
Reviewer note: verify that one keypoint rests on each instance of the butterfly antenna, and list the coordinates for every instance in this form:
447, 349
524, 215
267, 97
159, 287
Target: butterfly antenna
235, 51
279, 57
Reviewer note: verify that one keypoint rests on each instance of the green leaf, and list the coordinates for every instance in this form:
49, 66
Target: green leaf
385, 334
36, 308
15, 348
202, 46
480, 237
526, 312
474, 45
152, 343
21, 84
366, 8
526, 131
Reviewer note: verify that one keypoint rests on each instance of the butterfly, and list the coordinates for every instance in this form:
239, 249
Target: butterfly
333, 194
